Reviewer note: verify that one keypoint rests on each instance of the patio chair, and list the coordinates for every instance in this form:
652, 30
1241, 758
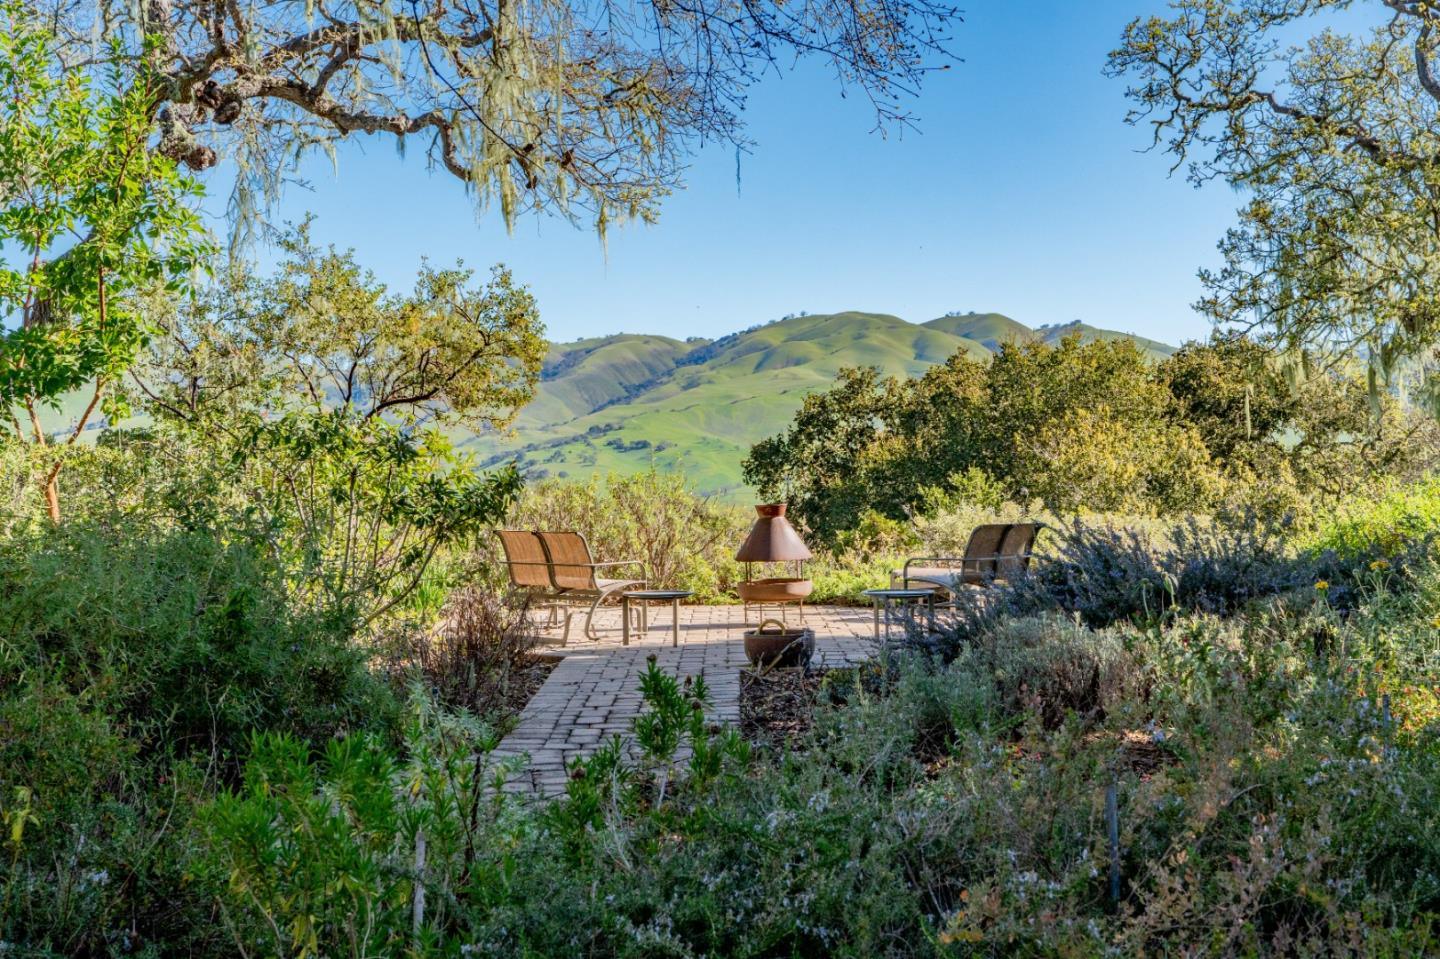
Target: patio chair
573, 576
996, 552
528, 566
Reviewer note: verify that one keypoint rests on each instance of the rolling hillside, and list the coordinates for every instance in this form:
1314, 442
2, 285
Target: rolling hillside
620, 403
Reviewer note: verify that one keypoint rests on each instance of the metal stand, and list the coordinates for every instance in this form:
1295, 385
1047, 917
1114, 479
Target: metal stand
887, 601
642, 598
745, 609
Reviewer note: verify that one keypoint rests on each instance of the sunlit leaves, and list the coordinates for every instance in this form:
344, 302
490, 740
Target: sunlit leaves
1333, 138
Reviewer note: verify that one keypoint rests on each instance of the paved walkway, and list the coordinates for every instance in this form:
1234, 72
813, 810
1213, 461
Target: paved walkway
595, 692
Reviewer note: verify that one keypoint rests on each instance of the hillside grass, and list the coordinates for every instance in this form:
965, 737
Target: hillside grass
625, 404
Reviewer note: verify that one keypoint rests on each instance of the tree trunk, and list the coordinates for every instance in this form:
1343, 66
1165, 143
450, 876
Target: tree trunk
52, 496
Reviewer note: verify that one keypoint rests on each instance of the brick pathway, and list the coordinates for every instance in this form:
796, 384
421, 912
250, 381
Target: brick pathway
594, 692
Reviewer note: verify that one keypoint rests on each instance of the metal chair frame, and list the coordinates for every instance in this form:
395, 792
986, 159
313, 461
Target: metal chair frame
986, 568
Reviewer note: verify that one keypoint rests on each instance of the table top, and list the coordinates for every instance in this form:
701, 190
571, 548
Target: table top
900, 593
658, 594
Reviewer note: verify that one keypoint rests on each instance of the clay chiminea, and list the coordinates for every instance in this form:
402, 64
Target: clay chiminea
773, 540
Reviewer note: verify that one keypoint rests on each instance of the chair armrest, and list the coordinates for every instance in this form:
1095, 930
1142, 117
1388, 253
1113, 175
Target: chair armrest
905, 573
962, 560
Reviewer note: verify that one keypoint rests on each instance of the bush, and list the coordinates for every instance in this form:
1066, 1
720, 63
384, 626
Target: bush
475, 658
1108, 574
186, 641
1364, 528
1268, 803
1051, 666
97, 839
332, 856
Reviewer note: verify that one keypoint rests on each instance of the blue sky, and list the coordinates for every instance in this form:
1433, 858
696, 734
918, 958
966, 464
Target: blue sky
1022, 192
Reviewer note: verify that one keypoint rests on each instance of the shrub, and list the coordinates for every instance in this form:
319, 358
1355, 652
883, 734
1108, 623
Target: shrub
1366, 527
97, 839
474, 658
341, 855
1267, 804
843, 579
1107, 574
1054, 667
184, 640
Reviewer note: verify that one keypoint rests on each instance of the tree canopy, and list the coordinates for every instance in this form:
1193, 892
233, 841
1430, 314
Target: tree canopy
1092, 428
322, 333
89, 218
1334, 140
584, 108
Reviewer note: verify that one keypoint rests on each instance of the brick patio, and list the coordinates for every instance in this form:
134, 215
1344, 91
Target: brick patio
594, 692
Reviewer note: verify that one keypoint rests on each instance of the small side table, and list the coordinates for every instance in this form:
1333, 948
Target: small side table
643, 596
889, 600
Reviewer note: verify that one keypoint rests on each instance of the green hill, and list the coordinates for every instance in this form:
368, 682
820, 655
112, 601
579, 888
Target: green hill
991, 330
622, 403
1089, 334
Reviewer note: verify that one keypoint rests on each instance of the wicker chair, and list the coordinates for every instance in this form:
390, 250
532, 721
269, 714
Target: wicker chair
557, 568
996, 552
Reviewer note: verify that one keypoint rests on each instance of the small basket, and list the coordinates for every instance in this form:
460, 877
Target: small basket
780, 647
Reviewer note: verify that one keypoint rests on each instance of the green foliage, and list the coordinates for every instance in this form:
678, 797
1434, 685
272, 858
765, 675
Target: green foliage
842, 579
186, 642
822, 451
361, 506
1081, 429
361, 853
1266, 804
934, 809
1329, 133
1386, 526
94, 218
322, 333
323, 397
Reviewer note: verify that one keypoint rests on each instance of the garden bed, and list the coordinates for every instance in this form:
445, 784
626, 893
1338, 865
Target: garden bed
526, 678
777, 707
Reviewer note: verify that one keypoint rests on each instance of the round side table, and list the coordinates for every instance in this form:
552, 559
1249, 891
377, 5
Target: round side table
645, 596
887, 601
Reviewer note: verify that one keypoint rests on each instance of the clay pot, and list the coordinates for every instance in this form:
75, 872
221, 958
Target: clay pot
772, 644
775, 590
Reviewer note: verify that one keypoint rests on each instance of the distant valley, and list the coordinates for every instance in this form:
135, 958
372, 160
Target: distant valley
620, 403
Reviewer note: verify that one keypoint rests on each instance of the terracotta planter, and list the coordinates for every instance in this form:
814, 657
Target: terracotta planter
775, 590
772, 644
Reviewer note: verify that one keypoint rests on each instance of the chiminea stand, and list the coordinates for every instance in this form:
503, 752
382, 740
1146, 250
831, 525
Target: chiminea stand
773, 540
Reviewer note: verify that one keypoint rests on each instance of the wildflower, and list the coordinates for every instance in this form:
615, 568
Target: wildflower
1322, 585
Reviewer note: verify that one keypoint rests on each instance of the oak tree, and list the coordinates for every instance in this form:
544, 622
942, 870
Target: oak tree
1333, 137
585, 108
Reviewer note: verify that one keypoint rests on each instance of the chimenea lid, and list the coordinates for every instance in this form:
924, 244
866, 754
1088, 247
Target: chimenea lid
772, 539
